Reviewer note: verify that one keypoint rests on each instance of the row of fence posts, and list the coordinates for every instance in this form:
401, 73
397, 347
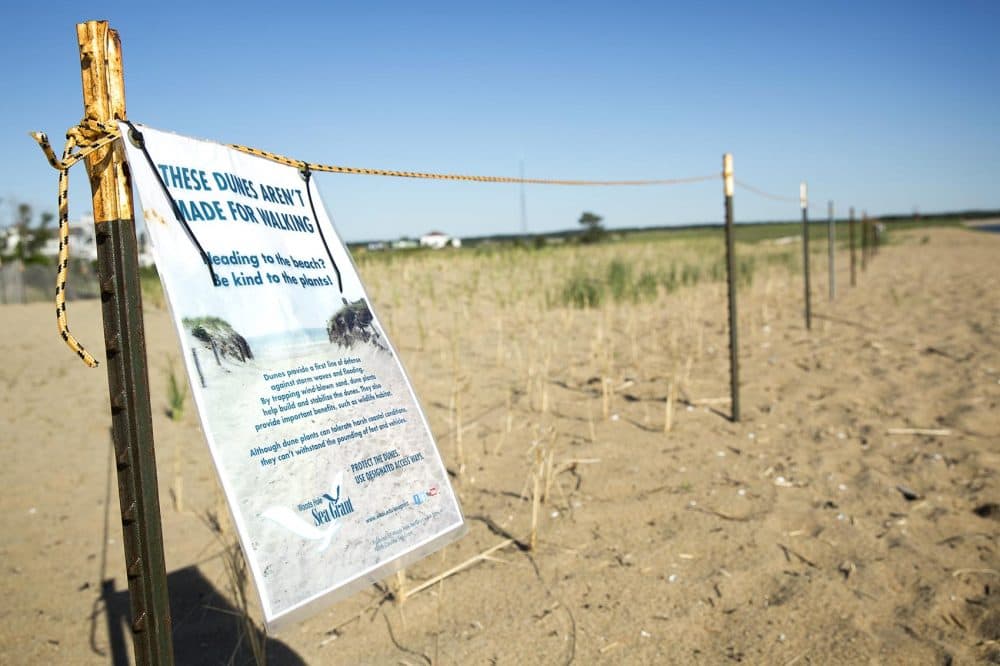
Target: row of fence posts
870, 241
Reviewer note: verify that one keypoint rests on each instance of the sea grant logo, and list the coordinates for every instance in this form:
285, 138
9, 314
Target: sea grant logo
333, 508
323, 511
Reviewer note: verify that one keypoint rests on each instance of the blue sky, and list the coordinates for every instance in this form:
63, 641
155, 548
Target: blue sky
883, 106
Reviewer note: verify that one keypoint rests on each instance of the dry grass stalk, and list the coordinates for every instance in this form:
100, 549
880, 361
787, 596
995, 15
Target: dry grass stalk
177, 490
221, 512
458, 389
535, 498
536, 443
605, 398
530, 384
500, 443
543, 380
634, 338
599, 341
485, 555
236, 570
701, 342
549, 466
668, 416
567, 315
936, 432
964, 572
510, 410
400, 587
711, 401
499, 341
237, 576
571, 462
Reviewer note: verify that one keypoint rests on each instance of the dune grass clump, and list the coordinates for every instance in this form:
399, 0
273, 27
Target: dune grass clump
745, 268
217, 334
619, 280
152, 290
176, 394
583, 291
788, 259
646, 287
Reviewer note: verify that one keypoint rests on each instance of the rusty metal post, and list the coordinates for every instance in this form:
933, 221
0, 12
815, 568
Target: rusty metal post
871, 238
731, 278
125, 346
854, 263
864, 240
831, 246
804, 203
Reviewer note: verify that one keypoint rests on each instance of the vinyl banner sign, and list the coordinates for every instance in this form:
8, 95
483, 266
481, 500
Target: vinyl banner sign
327, 461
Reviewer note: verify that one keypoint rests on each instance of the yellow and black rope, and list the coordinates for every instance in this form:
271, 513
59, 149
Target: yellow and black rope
765, 194
80, 142
359, 171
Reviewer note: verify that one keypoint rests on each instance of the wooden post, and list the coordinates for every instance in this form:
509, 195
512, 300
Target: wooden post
854, 263
804, 203
734, 350
831, 246
197, 366
125, 346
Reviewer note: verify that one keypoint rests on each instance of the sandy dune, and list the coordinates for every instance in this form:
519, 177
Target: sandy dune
805, 534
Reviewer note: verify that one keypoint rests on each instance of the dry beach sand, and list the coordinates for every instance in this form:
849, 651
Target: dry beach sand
805, 534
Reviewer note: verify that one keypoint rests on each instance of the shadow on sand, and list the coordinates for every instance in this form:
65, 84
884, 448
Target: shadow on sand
207, 628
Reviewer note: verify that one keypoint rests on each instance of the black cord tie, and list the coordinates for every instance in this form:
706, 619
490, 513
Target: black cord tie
306, 173
135, 136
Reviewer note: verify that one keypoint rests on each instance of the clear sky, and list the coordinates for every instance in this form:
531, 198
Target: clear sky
886, 106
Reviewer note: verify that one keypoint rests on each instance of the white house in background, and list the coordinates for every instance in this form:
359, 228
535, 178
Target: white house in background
438, 240
145, 250
10, 241
82, 240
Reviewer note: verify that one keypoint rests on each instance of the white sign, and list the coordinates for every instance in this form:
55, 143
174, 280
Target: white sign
327, 461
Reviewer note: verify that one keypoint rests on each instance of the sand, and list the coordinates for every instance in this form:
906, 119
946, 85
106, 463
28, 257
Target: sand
806, 533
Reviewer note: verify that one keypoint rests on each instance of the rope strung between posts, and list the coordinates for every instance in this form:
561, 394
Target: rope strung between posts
766, 195
358, 171
81, 141
90, 136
